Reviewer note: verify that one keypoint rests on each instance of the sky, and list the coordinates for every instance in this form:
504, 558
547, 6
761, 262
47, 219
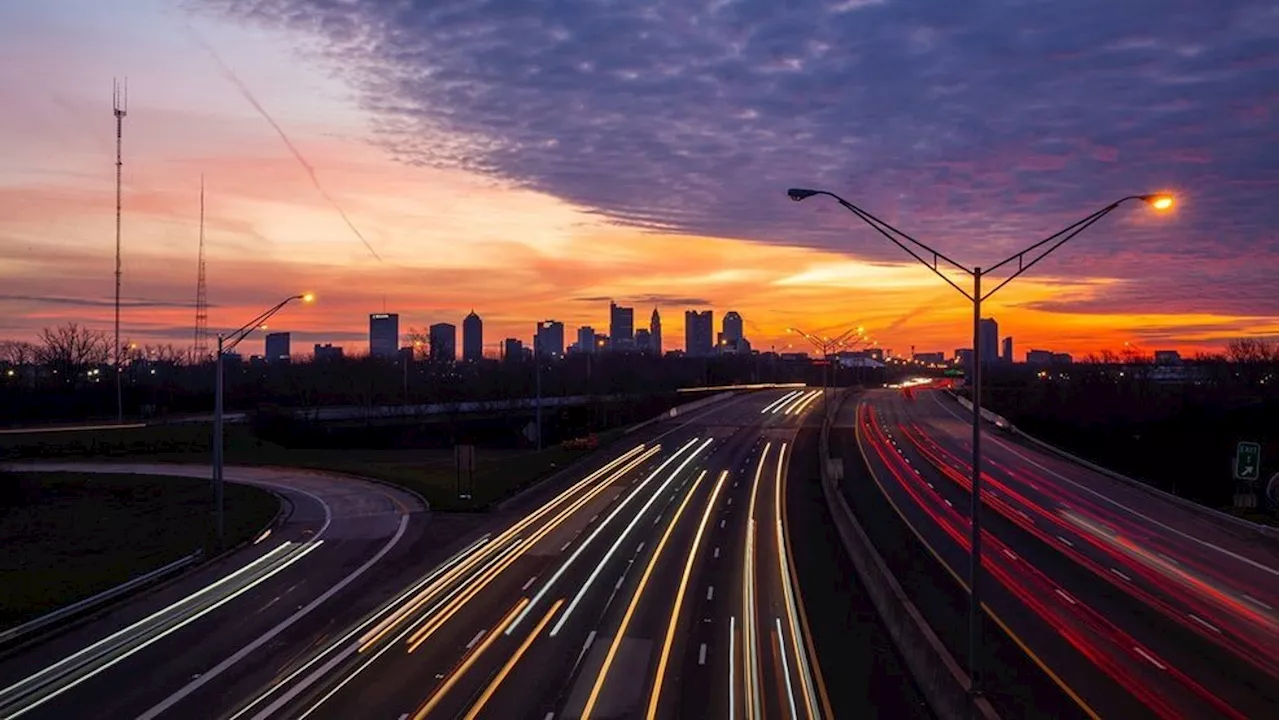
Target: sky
535, 159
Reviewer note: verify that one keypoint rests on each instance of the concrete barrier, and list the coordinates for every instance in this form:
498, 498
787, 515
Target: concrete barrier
944, 684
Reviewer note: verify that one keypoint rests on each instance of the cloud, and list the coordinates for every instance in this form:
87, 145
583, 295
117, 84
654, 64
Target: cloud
95, 302
981, 127
655, 299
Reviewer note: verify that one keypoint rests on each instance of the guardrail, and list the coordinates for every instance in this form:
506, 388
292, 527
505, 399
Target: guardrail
83, 606
944, 685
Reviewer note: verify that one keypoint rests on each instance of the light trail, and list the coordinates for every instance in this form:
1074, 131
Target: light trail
603, 674
784, 573
665, 655
780, 401
555, 630
750, 646
454, 676
485, 696
796, 402
786, 672
804, 405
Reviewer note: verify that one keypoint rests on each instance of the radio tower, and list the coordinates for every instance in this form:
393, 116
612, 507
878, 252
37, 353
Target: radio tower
119, 105
201, 349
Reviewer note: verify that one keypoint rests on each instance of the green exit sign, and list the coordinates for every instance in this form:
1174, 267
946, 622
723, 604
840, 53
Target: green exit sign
1248, 464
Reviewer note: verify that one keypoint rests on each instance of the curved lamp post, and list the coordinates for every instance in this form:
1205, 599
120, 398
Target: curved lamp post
1025, 259
226, 343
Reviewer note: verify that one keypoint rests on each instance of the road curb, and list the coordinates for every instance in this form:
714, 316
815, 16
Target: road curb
940, 678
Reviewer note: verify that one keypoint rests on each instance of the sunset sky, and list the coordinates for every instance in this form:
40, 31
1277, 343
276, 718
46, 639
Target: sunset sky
532, 160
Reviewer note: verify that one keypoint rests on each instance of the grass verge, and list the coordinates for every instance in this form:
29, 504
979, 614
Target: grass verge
68, 536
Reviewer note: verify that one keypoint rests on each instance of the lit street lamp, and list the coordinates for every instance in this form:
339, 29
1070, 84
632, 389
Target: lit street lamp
226, 343
929, 257
828, 346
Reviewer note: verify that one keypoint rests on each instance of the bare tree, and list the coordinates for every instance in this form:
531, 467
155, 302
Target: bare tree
1252, 351
420, 341
17, 352
70, 349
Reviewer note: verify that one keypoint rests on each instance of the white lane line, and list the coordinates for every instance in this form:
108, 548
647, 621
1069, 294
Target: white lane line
475, 640
702, 654
711, 591
1204, 623
1065, 596
403, 716
1150, 659
528, 583
786, 671
1009, 552
931, 487
657, 519
732, 692
1122, 575
549, 716
729, 501
1065, 541
716, 554
721, 523
591, 637
618, 585
1256, 601
639, 548
565, 546
593, 518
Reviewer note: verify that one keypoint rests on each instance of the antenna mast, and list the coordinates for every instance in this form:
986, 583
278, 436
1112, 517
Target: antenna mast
201, 349
119, 106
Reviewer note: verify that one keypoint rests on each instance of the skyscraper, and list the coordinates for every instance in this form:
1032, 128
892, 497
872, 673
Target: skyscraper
731, 328
988, 341
444, 342
276, 347
472, 338
699, 333
548, 339
644, 343
586, 339
384, 334
622, 322
512, 350
1006, 352
655, 332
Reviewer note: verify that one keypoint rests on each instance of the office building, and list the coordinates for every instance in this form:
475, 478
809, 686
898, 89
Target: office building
276, 347
644, 343
548, 339
699, 333
586, 339
326, 352
988, 341
731, 328
1061, 358
443, 338
1039, 357
876, 354
655, 332
622, 322
930, 358
384, 334
512, 349
472, 338
1006, 352
964, 356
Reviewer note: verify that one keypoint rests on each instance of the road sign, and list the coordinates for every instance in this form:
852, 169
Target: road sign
1248, 465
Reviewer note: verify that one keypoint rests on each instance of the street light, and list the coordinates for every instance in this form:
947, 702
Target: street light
918, 250
827, 345
227, 343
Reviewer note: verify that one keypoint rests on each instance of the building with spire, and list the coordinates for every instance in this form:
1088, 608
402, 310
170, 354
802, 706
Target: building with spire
472, 338
655, 332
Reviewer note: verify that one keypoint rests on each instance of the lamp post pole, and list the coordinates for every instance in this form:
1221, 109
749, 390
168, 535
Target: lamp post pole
227, 343
1026, 259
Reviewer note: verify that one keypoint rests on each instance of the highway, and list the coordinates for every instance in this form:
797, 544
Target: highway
1102, 600
206, 637
660, 582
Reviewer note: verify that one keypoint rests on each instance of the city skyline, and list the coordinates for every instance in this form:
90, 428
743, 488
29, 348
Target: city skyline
330, 200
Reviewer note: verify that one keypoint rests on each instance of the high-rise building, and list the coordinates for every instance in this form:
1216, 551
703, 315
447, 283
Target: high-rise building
622, 323
1039, 357
964, 356
326, 352
512, 349
1061, 358
444, 342
988, 341
548, 339
276, 347
384, 334
731, 328
655, 332
472, 338
1006, 352
644, 343
586, 339
699, 333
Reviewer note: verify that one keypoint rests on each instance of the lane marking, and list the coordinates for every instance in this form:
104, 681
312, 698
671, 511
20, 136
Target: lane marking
565, 546
1065, 596
786, 671
1009, 552
1122, 575
721, 523
511, 663
1066, 541
702, 654
716, 554
1150, 659
732, 656
710, 591
1203, 622
1256, 601
528, 583
456, 675
475, 639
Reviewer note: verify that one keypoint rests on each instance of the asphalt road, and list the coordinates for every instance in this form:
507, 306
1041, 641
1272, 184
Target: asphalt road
668, 577
1103, 600
204, 639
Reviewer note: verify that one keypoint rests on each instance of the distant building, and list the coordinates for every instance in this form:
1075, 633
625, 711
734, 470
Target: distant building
1166, 357
988, 341
512, 349
326, 352
384, 334
444, 342
877, 354
699, 333
930, 358
548, 339
643, 342
1039, 357
472, 337
1006, 352
1061, 359
655, 332
276, 347
731, 328
586, 339
622, 323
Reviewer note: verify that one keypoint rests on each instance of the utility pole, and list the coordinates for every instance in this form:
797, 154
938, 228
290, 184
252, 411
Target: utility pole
200, 350
119, 106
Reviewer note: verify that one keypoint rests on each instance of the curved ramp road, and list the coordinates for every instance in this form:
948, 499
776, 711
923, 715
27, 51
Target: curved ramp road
1133, 606
205, 639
